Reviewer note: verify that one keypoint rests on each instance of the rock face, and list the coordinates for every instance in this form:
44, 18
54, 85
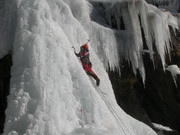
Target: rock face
158, 100
5, 66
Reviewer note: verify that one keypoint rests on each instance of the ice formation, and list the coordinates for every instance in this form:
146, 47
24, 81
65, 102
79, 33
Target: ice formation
161, 127
50, 94
170, 5
127, 43
175, 70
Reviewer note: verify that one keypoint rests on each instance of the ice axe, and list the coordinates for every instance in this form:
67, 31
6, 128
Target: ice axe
88, 40
74, 49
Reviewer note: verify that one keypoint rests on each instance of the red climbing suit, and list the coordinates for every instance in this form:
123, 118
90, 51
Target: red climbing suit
84, 57
86, 67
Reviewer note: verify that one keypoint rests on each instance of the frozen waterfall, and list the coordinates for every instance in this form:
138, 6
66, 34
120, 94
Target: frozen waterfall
50, 94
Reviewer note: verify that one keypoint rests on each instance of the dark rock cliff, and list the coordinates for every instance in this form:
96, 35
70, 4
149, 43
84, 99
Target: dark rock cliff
5, 66
158, 100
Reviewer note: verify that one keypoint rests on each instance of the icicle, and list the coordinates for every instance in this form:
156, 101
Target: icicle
174, 69
135, 14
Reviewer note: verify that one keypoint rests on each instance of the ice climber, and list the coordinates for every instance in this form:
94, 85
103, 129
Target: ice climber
87, 65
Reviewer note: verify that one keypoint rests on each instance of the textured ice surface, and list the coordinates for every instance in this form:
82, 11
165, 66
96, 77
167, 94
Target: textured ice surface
50, 94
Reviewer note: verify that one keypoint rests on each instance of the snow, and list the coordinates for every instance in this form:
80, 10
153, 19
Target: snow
175, 70
50, 94
161, 127
170, 5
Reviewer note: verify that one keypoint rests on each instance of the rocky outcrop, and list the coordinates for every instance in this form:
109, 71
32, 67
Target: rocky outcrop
158, 100
5, 75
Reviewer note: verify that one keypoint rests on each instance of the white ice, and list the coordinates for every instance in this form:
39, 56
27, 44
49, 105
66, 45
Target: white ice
5, 26
175, 70
161, 127
50, 94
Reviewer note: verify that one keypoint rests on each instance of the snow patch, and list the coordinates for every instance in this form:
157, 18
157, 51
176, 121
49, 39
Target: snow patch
161, 127
175, 70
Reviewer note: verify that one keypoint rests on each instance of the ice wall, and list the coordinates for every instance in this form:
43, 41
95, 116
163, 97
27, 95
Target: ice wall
50, 92
140, 20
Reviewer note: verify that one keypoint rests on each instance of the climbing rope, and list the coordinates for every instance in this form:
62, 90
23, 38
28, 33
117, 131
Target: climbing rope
118, 119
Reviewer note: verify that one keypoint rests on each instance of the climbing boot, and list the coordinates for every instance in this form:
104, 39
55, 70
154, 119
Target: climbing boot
97, 81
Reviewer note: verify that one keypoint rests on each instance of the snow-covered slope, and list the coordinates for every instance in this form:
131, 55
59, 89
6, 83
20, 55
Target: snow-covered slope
50, 94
